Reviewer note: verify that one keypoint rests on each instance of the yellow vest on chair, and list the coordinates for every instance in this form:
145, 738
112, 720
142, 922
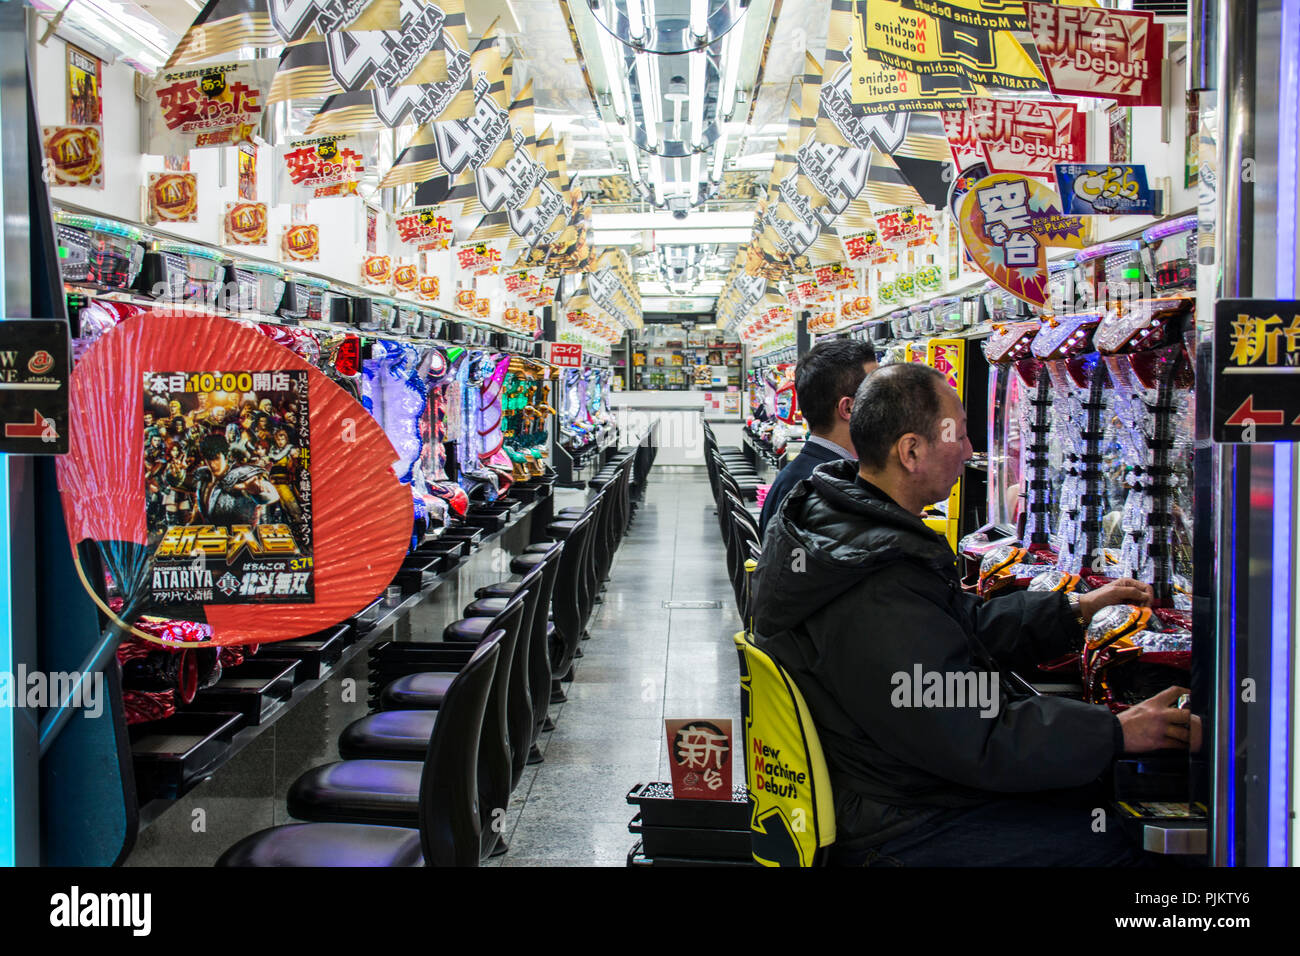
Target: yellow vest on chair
793, 816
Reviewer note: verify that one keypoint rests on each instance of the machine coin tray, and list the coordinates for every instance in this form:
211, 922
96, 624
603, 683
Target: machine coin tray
659, 808
316, 653
471, 535
693, 842
417, 573
638, 857
172, 755
365, 619
255, 689
487, 518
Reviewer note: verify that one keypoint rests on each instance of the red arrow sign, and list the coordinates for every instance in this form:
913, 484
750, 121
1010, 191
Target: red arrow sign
1248, 413
34, 430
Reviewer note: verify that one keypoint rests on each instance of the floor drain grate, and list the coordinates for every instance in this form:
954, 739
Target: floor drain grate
692, 605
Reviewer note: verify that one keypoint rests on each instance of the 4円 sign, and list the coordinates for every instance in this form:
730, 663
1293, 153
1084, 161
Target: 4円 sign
1256, 371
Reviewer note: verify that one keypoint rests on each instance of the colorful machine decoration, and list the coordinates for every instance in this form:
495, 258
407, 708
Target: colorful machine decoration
1007, 223
245, 223
301, 242
1101, 189
173, 197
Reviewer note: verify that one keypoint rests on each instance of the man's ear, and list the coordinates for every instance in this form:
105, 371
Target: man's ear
844, 407
908, 450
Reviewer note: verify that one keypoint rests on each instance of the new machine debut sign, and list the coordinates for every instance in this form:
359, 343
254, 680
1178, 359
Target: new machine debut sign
1256, 371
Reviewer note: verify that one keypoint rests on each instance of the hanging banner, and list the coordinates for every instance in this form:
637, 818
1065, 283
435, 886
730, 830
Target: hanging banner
1028, 136
963, 138
85, 83
480, 259
1090, 51
424, 228
173, 197
232, 522
74, 155
833, 278
319, 167
984, 14
865, 248
907, 226
1120, 121
301, 242
1007, 223
217, 105
921, 44
874, 88
247, 171
245, 223
300, 19
1100, 189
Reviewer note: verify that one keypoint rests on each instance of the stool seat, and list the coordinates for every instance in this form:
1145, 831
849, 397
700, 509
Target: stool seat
389, 735
359, 791
500, 589
523, 563
327, 844
486, 607
423, 691
472, 629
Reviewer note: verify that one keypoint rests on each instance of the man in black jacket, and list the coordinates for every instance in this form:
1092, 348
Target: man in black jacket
859, 600
825, 380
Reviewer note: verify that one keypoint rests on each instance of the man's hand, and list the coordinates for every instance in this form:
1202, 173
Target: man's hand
1122, 591
1159, 724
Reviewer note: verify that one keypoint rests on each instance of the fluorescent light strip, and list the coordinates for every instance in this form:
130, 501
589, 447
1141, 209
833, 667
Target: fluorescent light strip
649, 98
636, 19
719, 157
731, 70
699, 18
614, 73
698, 89
633, 237
633, 167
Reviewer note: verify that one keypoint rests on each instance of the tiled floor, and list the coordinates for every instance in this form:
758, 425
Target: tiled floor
644, 662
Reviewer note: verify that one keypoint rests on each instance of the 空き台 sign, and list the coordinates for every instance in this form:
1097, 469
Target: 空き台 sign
1256, 371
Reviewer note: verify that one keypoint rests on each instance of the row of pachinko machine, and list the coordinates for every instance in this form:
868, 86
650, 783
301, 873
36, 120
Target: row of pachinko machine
1082, 417
467, 409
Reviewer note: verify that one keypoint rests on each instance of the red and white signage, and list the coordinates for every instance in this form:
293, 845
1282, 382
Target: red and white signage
1028, 136
564, 354
1096, 52
700, 758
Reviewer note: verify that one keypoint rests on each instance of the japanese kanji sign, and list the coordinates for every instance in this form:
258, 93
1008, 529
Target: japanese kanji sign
1098, 52
700, 758
1026, 136
1103, 189
1007, 222
209, 105
324, 166
1256, 371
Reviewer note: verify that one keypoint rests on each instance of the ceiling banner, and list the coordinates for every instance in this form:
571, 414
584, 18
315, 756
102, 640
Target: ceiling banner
919, 43
430, 48
1029, 136
211, 105
314, 168
1097, 52
303, 19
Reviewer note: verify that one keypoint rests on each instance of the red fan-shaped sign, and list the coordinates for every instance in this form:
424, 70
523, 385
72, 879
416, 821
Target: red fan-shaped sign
226, 480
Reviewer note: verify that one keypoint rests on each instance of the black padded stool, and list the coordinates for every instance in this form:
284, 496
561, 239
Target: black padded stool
447, 816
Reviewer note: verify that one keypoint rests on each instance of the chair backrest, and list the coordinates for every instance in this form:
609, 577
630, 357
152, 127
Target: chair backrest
450, 829
792, 818
494, 765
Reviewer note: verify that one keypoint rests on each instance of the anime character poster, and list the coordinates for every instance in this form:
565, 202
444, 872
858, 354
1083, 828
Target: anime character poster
227, 473
85, 103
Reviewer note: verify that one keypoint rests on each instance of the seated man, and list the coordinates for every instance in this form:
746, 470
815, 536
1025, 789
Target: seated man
858, 599
825, 380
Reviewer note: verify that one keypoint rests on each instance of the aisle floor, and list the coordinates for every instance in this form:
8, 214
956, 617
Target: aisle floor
644, 662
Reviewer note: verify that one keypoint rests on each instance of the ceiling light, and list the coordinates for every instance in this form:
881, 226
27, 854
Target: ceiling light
610, 52
699, 19
636, 19
719, 156
731, 71
698, 88
649, 97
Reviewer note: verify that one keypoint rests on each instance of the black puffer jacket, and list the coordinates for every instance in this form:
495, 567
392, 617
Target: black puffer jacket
851, 590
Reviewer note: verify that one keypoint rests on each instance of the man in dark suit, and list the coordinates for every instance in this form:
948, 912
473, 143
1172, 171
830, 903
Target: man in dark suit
825, 381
